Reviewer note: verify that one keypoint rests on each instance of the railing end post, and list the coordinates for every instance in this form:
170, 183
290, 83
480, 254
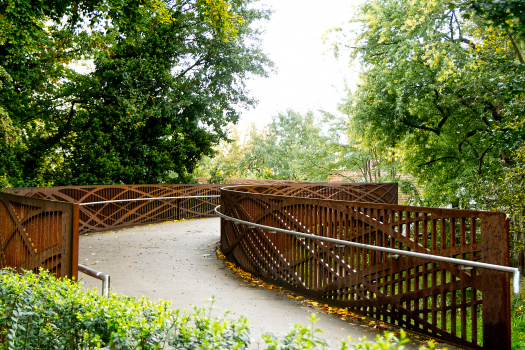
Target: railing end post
516, 281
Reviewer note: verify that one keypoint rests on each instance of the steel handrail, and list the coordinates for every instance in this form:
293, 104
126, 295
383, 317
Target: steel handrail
514, 270
146, 199
98, 275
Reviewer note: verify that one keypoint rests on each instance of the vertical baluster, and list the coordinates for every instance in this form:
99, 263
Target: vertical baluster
424, 223
434, 234
443, 300
417, 237
443, 237
352, 237
300, 218
453, 310
464, 313
462, 229
332, 233
452, 232
314, 261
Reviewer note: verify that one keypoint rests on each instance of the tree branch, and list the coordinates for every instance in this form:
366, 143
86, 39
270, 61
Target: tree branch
191, 67
421, 127
516, 48
467, 135
480, 161
441, 110
435, 160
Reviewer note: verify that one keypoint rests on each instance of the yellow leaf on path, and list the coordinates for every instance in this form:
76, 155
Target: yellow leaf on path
248, 278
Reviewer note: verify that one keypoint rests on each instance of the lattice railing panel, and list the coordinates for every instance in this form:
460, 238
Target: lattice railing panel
445, 301
38, 233
358, 192
101, 217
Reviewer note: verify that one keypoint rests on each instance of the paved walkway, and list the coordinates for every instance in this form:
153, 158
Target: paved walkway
176, 261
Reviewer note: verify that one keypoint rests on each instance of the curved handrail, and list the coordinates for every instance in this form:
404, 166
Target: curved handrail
148, 199
513, 270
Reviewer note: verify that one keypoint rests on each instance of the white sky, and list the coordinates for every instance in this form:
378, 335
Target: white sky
307, 78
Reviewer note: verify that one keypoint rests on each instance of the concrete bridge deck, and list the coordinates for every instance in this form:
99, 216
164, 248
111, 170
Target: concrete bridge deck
177, 261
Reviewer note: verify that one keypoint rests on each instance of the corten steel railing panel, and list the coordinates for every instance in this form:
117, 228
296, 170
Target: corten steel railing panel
38, 233
357, 192
107, 216
467, 307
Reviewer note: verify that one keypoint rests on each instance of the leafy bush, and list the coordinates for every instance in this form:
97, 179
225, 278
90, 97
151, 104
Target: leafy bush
42, 312
303, 338
517, 319
38, 311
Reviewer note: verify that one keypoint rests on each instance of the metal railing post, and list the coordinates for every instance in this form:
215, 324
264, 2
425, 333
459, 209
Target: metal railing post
98, 275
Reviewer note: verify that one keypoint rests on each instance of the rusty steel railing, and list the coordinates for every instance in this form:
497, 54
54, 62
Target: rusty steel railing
468, 307
38, 233
358, 192
392, 252
118, 206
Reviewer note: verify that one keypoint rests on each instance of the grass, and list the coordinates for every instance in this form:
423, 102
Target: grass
517, 318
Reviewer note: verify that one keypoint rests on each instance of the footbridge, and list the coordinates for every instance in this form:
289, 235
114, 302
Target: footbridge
438, 272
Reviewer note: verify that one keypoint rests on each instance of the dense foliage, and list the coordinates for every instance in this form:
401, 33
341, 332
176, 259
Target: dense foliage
165, 79
42, 312
517, 319
438, 89
295, 146
291, 147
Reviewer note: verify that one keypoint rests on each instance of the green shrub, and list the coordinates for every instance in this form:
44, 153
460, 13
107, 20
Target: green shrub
38, 311
303, 338
517, 319
42, 312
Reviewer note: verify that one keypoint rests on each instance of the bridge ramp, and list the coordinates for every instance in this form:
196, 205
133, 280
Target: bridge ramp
176, 261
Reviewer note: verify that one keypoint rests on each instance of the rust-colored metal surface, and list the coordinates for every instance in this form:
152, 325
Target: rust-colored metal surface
466, 307
107, 216
38, 233
357, 192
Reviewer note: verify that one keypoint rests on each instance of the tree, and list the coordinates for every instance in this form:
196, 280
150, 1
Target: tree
431, 89
168, 78
231, 157
293, 146
507, 14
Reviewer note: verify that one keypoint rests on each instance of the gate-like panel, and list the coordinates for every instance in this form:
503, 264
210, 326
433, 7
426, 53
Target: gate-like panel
469, 307
38, 233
